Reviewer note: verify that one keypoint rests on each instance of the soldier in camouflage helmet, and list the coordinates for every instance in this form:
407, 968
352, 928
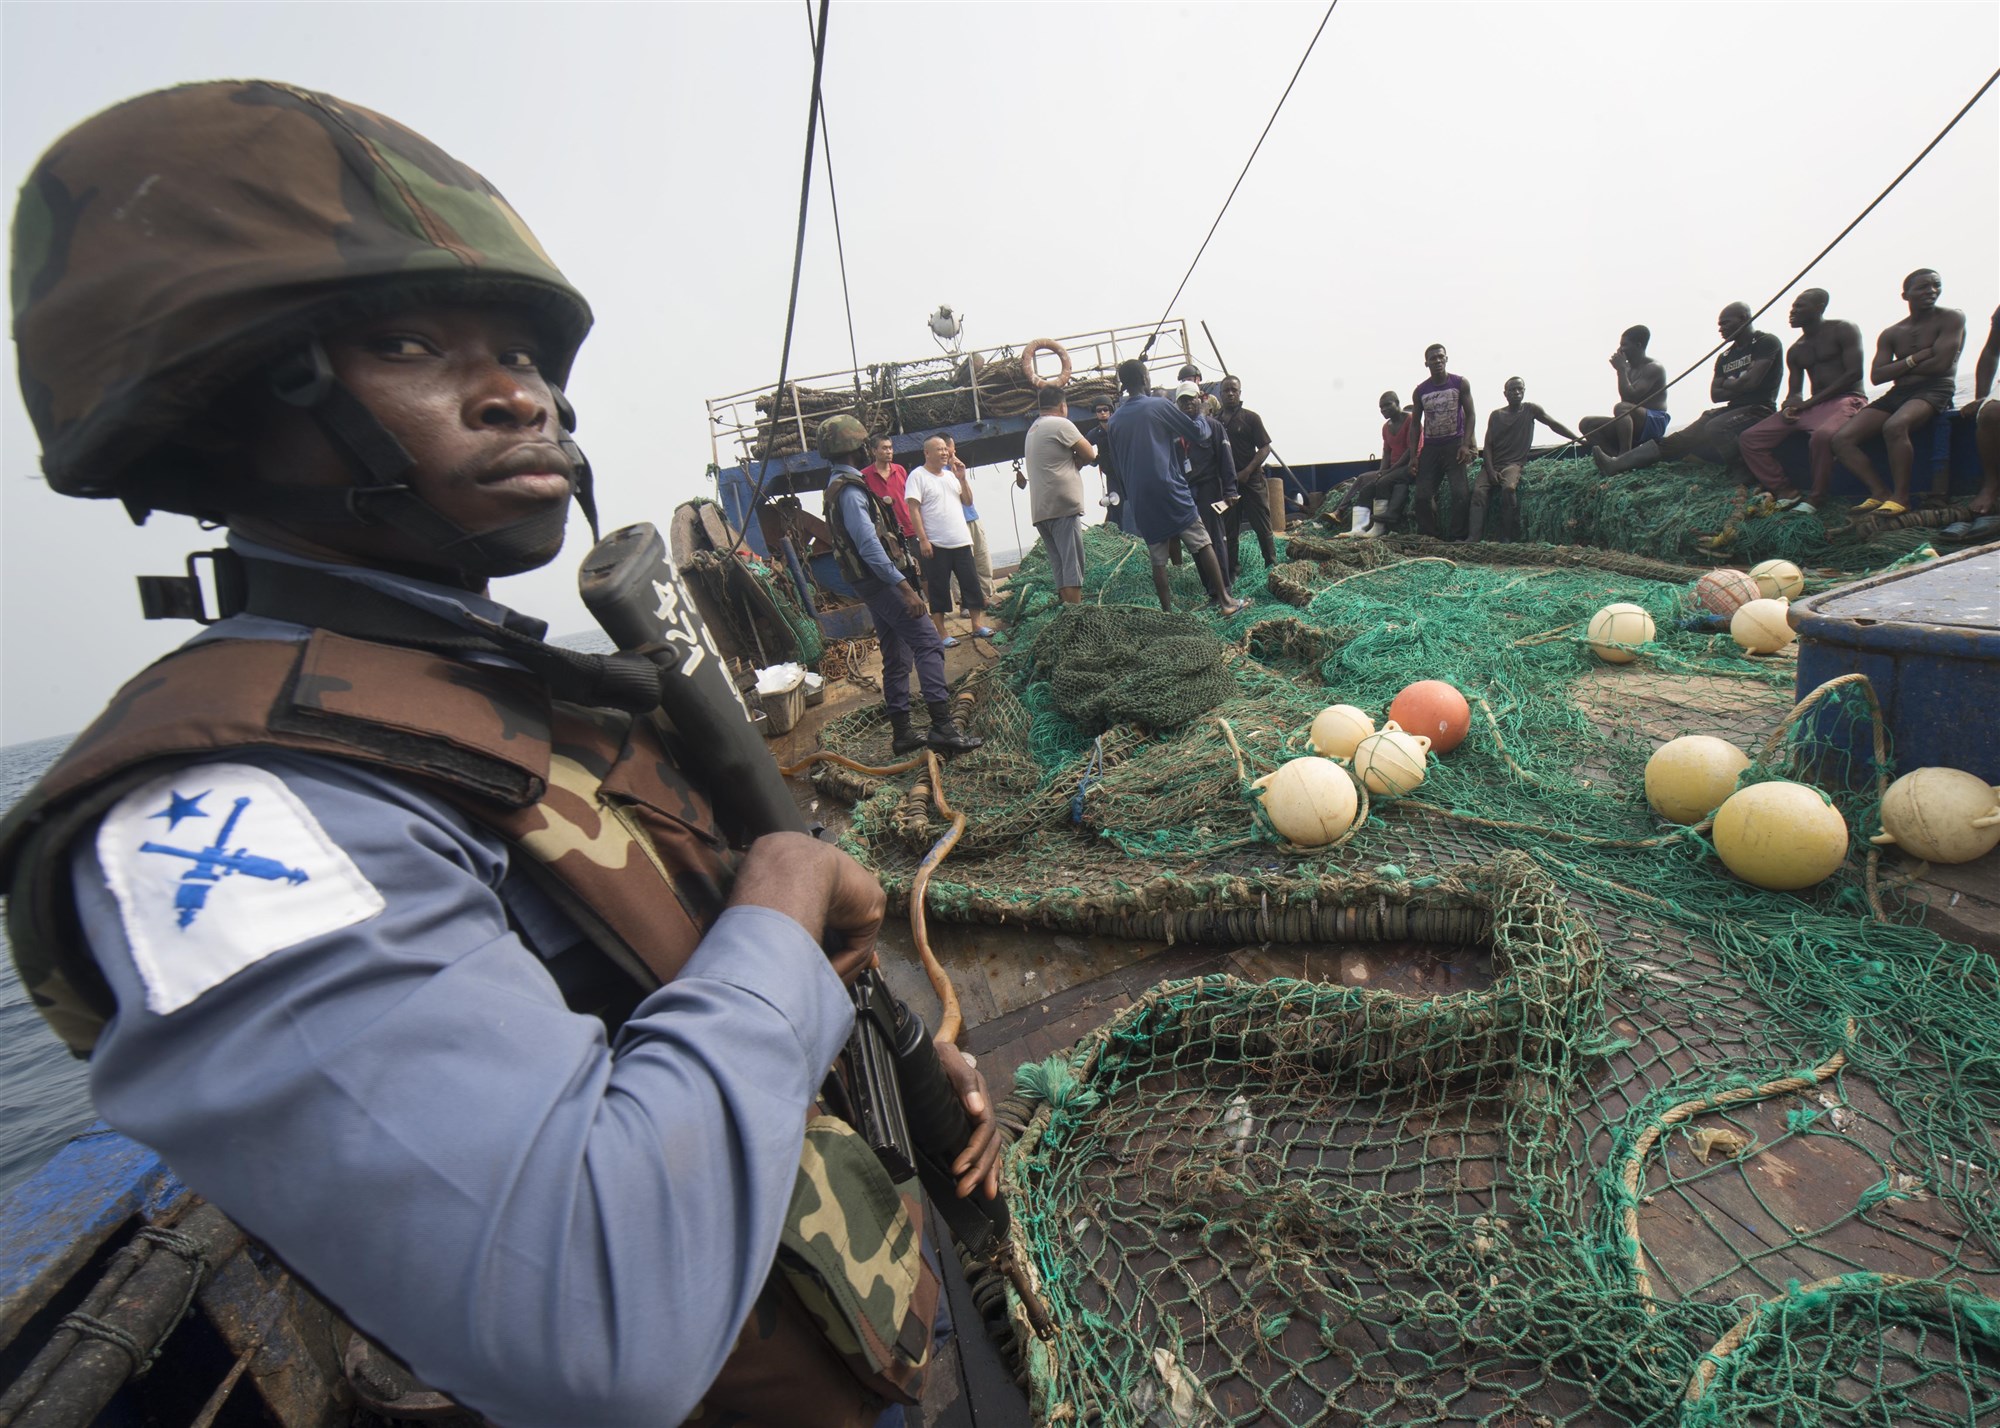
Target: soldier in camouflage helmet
870, 550
360, 882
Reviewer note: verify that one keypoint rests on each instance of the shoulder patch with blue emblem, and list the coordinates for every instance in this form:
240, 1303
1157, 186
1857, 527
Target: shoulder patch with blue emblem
217, 866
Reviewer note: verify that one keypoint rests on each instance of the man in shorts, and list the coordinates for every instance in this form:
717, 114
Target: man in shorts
1984, 413
1747, 373
1640, 414
1510, 431
1053, 450
1141, 442
1920, 356
937, 495
1829, 353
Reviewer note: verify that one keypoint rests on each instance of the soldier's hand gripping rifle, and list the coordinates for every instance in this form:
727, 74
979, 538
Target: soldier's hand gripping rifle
897, 1094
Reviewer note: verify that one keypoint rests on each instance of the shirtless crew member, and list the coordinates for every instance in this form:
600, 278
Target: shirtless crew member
1920, 355
1828, 353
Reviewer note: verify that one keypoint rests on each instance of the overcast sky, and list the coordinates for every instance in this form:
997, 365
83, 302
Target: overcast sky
1517, 181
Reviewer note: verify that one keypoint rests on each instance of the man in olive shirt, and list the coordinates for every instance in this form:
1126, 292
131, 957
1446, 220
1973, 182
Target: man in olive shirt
1054, 447
1510, 431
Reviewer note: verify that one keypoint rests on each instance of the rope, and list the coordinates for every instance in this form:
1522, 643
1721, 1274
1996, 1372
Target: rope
89, 1326
839, 247
1161, 324
798, 265
182, 1246
1688, 1110
949, 1021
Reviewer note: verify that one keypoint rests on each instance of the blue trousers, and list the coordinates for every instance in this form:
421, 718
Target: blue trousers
906, 639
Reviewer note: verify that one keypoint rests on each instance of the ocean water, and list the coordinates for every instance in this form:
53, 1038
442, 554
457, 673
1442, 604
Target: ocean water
44, 1091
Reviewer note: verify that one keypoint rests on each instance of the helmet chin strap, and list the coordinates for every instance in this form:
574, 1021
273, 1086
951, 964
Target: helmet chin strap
383, 496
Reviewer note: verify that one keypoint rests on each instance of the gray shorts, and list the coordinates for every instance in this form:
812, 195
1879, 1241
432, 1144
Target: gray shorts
1195, 538
1062, 538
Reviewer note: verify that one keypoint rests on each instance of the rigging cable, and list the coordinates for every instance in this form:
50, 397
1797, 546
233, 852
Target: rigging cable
1161, 324
1854, 223
798, 260
839, 247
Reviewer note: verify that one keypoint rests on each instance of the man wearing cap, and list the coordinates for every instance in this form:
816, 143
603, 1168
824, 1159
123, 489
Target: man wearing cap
1052, 452
1211, 475
875, 560
417, 945
1142, 440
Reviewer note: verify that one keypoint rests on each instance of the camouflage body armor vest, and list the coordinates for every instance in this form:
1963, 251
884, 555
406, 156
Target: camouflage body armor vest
853, 569
614, 832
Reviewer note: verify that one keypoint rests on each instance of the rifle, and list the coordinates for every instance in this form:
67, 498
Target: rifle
896, 1093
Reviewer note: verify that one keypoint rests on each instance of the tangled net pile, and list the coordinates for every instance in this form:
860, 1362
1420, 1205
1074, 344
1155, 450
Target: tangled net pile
1671, 1150
1666, 510
900, 397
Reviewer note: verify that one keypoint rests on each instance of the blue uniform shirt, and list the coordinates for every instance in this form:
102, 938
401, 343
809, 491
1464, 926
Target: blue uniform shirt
851, 503
371, 1068
1142, 437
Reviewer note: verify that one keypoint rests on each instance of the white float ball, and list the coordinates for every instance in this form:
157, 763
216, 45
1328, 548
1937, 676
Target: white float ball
1941, 815
1782, 836
1616, 625
1391, 761
1337, 729
1761, 627
1778, 577
1688, 778
1310, 800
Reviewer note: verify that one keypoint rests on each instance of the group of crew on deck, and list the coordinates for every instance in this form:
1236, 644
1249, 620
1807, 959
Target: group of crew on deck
1826, 401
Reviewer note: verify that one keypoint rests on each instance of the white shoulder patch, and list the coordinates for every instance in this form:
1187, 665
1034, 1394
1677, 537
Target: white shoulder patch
217, 866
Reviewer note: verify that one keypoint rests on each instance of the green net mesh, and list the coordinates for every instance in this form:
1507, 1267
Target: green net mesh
1632, 1142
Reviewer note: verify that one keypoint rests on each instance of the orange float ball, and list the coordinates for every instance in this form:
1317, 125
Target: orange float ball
1435, 709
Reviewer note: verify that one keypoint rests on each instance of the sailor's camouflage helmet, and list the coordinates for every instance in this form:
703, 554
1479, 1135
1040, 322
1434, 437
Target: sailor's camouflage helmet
171, 246
838, 435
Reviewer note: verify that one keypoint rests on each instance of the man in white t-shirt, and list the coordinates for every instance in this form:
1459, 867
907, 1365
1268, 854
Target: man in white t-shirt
1055, 490
937, 494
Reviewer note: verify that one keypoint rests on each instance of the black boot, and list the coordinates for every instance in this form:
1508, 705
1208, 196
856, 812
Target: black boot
906, 740
945, 736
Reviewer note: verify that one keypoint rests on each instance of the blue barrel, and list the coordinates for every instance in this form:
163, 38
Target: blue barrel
1928, 638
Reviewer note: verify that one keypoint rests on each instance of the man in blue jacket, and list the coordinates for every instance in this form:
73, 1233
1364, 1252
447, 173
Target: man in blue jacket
1144, 439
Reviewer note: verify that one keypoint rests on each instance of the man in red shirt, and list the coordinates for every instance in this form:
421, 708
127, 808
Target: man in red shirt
886, 479
1388, 486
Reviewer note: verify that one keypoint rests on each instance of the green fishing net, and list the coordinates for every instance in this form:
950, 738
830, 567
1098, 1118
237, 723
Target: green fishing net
1148, 668
1627, 1140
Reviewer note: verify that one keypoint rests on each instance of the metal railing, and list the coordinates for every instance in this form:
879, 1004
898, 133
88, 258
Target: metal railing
904, 398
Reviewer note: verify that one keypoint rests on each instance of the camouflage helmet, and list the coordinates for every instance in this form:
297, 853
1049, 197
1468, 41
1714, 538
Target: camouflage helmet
839, 435
169, 247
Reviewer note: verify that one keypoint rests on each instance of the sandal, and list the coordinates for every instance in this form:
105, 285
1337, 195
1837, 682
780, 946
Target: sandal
1868, 505
1891, 508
